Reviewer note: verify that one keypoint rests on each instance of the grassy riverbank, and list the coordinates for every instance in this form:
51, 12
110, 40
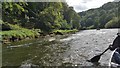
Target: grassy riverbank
11, 33
14, 35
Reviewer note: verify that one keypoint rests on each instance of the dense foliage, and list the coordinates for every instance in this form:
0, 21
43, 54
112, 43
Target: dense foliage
46, 16
14, 32
50, 16
104, 17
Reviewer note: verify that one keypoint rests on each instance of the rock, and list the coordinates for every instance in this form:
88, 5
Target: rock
13, 39
51, 39
51, 34
6, 41
42, 34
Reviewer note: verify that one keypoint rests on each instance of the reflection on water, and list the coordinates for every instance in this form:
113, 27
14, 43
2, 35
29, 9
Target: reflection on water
71, 51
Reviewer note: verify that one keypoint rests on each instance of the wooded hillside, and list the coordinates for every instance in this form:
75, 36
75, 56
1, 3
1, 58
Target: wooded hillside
104, 17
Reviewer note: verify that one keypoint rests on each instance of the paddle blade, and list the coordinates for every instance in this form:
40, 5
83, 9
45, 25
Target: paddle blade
95, 59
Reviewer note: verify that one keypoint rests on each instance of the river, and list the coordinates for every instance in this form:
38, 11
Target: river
73, 50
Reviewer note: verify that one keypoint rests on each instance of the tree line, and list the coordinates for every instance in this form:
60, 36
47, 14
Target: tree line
49, 16
46, 16
107, 16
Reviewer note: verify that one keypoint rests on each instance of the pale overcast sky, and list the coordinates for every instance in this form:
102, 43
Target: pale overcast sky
82, 5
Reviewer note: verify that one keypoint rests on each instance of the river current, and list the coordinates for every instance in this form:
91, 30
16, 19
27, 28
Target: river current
73, 50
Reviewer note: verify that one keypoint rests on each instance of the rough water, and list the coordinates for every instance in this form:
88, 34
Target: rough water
86, 44
56, 51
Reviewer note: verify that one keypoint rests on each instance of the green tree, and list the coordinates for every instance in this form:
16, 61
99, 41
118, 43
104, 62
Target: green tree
112, 23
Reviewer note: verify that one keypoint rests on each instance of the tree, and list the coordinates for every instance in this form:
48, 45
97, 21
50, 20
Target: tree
13, 12
112, 23
46, 16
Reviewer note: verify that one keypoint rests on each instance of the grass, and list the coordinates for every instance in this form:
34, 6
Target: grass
65, 31
17, 32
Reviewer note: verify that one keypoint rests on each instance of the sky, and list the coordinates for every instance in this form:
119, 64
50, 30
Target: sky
83, 5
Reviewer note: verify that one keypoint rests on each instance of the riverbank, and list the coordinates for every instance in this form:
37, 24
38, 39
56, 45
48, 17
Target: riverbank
13, 33
25, 34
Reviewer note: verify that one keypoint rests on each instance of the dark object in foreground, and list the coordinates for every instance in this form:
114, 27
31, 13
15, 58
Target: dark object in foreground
97, 58
115, 58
